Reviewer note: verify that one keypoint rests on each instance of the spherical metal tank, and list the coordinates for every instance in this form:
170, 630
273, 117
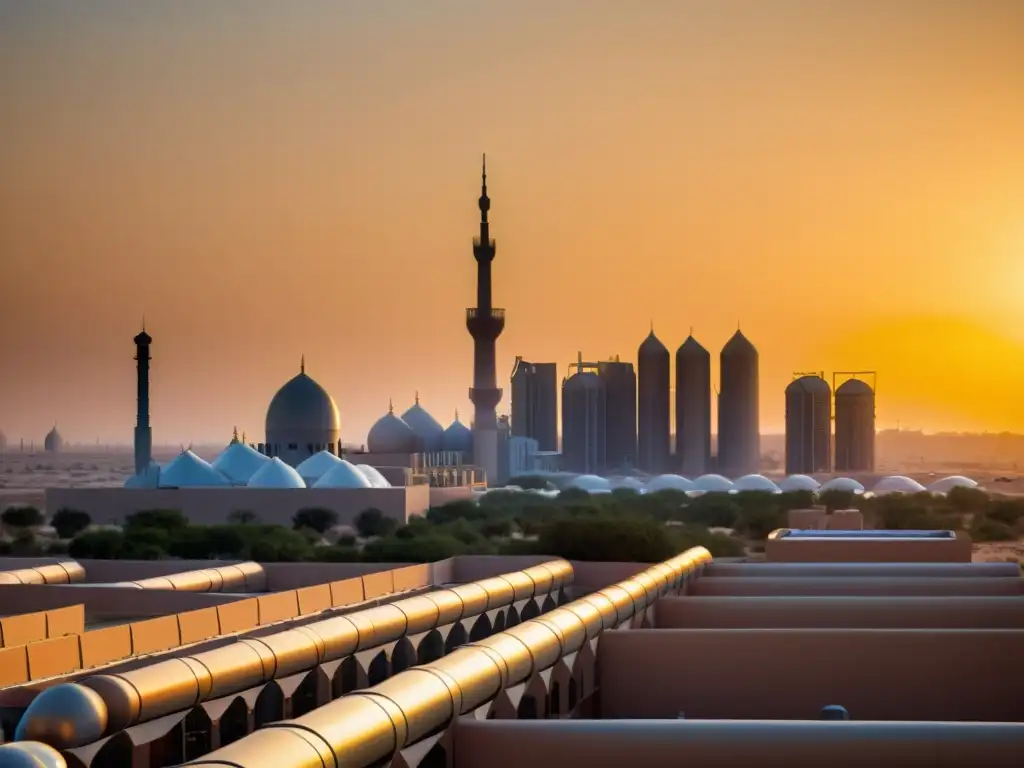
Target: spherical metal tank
739, 435
654, 370
855, 427
693, 408
808, 426
583, 423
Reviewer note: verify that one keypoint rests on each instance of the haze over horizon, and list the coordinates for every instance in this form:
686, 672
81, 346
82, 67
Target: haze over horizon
264, 181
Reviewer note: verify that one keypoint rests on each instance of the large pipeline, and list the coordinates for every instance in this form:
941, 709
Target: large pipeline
239, 577
74, 714
361, 728
66, 572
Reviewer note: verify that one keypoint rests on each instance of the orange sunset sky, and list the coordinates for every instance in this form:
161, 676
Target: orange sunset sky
263, 180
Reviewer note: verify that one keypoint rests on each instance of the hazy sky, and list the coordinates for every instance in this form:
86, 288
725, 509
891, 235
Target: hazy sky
263, 180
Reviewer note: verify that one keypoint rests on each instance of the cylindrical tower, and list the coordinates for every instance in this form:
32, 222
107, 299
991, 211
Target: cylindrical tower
808, 426
855, 427
143, 431
654, 370
739, 436
583, 423
693, 408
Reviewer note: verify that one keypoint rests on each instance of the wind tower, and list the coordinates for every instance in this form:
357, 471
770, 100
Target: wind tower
485, 324
143, 431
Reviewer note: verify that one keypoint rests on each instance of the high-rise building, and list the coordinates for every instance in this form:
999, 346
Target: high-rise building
620, 413
535, 403
584, 446
653, 398
739, 436
693, 408
485, 323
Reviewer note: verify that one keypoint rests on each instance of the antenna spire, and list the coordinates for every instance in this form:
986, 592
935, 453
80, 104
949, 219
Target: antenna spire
391, 406
302, 364
417, 397
456, 414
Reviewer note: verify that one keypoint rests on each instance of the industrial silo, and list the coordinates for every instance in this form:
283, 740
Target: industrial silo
583, 423
693, 408
620, 413
808, 426
855, 427
654, 366
739, 436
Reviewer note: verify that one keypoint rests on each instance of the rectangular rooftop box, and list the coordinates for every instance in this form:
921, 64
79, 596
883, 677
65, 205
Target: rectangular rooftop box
791, 545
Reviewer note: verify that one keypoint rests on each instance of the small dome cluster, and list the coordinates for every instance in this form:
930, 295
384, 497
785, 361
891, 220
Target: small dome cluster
416, 431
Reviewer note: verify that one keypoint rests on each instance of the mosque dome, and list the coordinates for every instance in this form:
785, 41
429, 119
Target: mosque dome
844, 484
53, 442
303, 413
317, 465
373, 475
189, 471
799, 483
458, 437
947, 484
755, 483
391, 434
239, 462
343, 475
669, 482
712, 484
897, 484
427, 429
276, 474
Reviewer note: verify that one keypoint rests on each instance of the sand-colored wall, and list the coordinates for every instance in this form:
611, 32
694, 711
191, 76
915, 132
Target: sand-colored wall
839, 612
825, 550
215, 505
790, 674
23, 628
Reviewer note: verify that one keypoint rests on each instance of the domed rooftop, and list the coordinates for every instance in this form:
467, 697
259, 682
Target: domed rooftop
628, 483
53, 442
651, 346
854, 387
669, 482
897, 484
343, 475
846, 484
373, 475
302, 407
187, 470
427, 429
811, 385
712, 484
947, 484
755, 483
739, 346
692, 348
276, 474
590, 483
457, 437
582, 380
239, 462
390, 434
317, 465
799, 483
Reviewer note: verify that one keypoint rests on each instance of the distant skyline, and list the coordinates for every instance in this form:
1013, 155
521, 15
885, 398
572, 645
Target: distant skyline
267, 180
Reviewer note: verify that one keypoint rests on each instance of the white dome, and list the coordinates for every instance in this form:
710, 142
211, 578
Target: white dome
377, 480
317, 465
239, 462
755, 483
189, 471
630, 483
849, 485
897, 484
712, 484
343, 475
669, 482
799, 483
947, 484
276, 474
590, 483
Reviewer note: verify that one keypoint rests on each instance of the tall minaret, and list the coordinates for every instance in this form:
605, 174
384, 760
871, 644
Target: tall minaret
143, 432
485, 324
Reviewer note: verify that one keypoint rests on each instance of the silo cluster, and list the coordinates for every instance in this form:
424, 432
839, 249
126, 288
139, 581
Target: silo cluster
809, 414
739, 434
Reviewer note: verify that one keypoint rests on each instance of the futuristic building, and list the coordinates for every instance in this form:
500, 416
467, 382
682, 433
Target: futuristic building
739, 436
808, 425
302, 420
620, 413
53, 442
584, 436
855, 426
535, 403
653, 405
485, 323
693, 408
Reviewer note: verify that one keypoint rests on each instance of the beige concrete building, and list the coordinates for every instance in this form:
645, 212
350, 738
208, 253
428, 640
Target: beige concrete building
890, 660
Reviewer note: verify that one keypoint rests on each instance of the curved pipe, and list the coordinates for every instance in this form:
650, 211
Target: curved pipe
68, 572
363, 727
238, 577
172, 685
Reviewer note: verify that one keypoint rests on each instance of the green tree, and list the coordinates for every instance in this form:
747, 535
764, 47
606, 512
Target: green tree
418, 549
336, 553
317, 519
69, 522
26, 544
372, 522
987, 529
168, 519
285, 546
97, 545
243, 517
532, 483
607, 539
21, 517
